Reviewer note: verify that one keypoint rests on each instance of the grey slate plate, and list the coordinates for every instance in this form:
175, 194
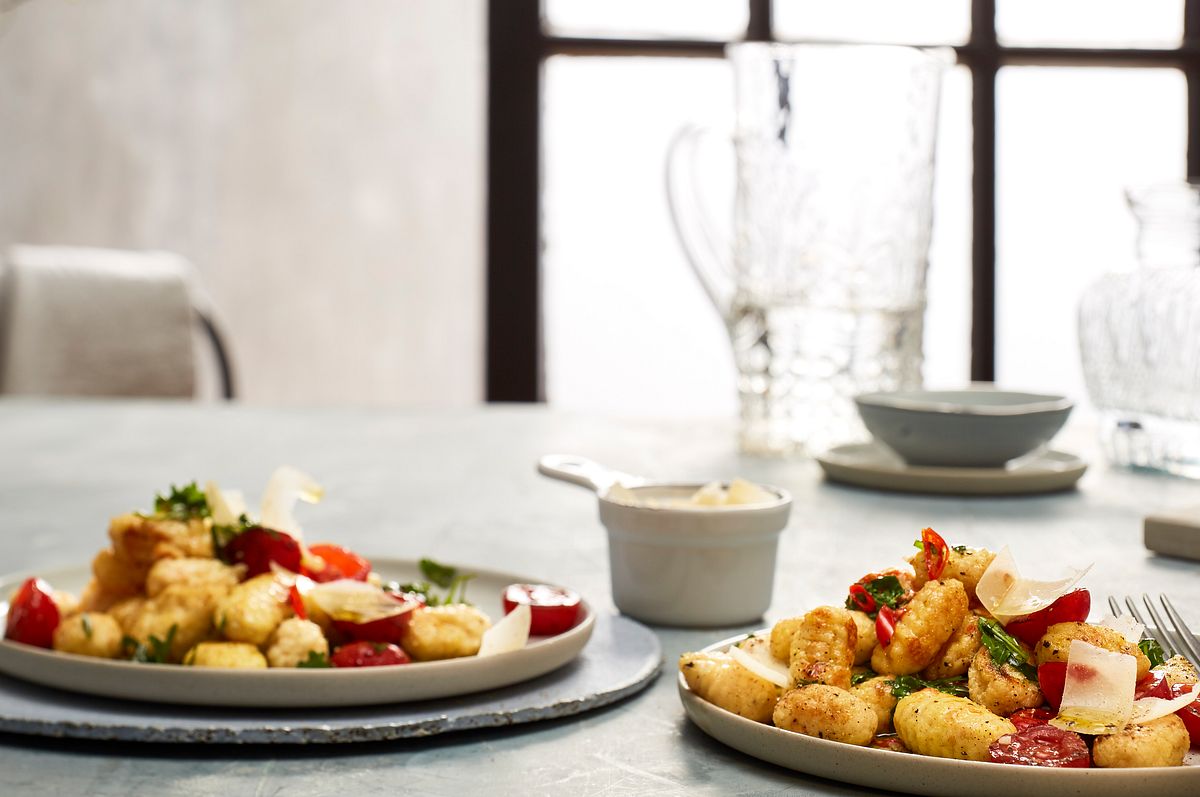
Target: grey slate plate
622, 658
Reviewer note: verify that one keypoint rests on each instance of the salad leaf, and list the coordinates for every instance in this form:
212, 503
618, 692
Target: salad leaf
153, 650
182, 503
1005, 649
1153, 651
315, 661
905, 685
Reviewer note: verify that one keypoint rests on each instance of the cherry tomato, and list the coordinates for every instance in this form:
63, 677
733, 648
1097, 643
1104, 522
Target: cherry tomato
33, 615
1070, 608
368, 654
1041, 746
385, 629
1052, 677
885, 624
1153, 685
257, 547
1028, 717
552, 610
339, 563
1190, 714
937, 553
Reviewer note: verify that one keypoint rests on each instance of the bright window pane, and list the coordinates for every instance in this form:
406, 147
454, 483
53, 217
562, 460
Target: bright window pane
627, 328
1068, 142
901, 21
1105, 23
702, 19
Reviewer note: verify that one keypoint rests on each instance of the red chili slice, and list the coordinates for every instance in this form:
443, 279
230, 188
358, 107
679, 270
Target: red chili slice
33, 615
1052, 679
368, 654
885, 624
862, 599
1070, 608
937, 553
257, 547
1029, 717
1190, 714
552, 610
1041, 746
339, 563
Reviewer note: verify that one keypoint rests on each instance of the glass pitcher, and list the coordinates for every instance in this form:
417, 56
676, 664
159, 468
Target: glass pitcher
822, 288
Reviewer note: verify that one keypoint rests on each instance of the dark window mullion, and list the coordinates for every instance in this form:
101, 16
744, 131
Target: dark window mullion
1191, 70
984, 62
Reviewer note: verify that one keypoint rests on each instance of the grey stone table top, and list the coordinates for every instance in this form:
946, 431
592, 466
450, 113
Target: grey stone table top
461, 485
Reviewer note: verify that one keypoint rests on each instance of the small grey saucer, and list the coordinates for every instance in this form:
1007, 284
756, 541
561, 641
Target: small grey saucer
621, 658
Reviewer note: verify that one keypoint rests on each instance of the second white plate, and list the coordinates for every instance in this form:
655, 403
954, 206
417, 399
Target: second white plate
297, 688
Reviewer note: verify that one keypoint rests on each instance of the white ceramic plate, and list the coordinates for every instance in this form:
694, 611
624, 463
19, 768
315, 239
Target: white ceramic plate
868, 465
907, 772
297, 688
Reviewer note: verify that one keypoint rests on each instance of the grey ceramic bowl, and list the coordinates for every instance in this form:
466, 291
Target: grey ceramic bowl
981, 428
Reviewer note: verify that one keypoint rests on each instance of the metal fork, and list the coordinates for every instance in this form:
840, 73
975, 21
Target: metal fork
1176, 639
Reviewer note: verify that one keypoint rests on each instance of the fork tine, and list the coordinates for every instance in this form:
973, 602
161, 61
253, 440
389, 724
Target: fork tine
1190, 645
1133, 609
1166, 636
1114, 606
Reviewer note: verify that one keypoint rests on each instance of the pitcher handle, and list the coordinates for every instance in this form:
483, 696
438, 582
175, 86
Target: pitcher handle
584, 472
707, 254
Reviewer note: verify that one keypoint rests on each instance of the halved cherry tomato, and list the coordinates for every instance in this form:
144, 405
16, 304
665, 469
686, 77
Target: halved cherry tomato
1070, 608
257, 547
339, 563
33, 615
1052, 678
368, 654
1028, 717
552, 610
1041, 746
885, 624
386, 629
862, 599
1190, 714
1153, 685
937, 553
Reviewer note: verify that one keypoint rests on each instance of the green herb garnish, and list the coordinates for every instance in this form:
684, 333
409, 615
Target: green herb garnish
87, 625
182, 503
858, 677
905, 685
315, 661
153, 650
1005, 649
1153, 651
885, 590
438, 575
959, 548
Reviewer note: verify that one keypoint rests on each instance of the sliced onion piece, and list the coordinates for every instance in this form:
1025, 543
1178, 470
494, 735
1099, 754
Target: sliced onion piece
1151, 708
286, 486
1126, 626
511, 633
225, 506
1098, 692
770, 671
356, 601
1005, 594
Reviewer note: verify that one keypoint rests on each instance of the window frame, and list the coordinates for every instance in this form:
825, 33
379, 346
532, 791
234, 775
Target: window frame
518, 45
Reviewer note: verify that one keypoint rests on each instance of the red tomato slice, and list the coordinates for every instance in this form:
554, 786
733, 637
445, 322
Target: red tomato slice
1041, 746
1028, 717
1190, 714
385, 629
339, 563
257, 547
552, 610
1052, 677
1070, 608
1153, 685
368, 654
33, 615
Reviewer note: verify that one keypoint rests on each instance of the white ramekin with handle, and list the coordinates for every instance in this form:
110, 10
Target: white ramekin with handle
677, 564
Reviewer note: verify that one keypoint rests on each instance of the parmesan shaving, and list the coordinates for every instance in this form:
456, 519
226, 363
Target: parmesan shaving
1098, 693
1151, 708
511, 633
286, 486
356, 601
226, 507
767, 669
1126, 626
1007, 595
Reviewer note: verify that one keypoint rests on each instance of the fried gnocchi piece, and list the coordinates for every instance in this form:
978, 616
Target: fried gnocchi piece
179, 613
251, 611
877, 693
931, 618
94, 598
126, 610
966, 567
67, 603
141, 540
866, 637
955, 656
444, 632
1160, 743
89, 634
226, 655
116, 576
826, 712
781, 638
1056, 643
720, 680
1178, 670
191, 572
293, 641
1001, 690
823, 648
932, 723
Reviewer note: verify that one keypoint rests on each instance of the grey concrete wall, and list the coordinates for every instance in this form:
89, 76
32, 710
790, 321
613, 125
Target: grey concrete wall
321, 161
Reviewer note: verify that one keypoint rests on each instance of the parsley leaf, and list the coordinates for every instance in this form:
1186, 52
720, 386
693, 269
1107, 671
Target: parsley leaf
1005, 649
87, 625
959, 548
153, 650
315, 661
442, 575
182, 503
1153, 651
858, 677
438, 575
905, 685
